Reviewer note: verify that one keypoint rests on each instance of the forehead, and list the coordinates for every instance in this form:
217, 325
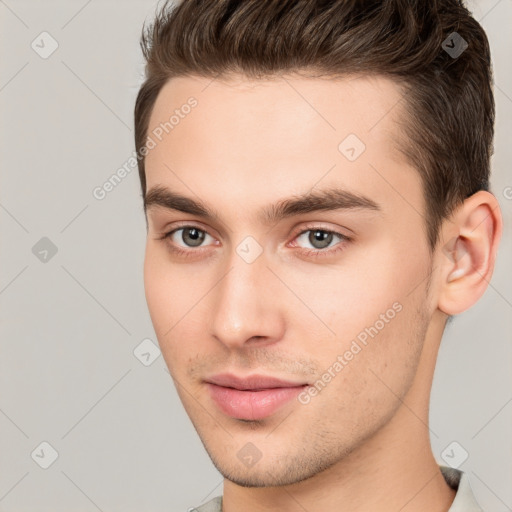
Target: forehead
366, 105
274, 136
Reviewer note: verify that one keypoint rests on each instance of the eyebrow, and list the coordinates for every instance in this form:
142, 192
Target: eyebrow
321, 200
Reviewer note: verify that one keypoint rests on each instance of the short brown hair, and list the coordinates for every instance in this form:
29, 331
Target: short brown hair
449, 103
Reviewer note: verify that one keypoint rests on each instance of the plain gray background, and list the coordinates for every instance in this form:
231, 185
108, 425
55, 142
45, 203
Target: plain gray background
70, 321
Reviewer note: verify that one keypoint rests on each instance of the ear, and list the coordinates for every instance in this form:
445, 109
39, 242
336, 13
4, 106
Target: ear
467, 258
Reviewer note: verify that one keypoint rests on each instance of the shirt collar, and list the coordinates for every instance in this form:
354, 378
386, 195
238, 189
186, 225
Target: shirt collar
464, 498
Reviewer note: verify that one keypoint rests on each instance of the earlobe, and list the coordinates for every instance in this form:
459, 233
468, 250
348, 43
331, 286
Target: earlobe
467, 260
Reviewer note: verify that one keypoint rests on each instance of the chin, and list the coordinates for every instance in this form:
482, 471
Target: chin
271, 473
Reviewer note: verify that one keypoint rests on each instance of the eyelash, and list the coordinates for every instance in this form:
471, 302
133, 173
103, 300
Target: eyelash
315, 253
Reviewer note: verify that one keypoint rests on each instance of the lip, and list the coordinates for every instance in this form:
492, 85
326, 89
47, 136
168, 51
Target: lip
253, 397
251, 382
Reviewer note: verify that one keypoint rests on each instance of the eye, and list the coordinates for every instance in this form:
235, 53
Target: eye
319, 238
188, 236
317, 241
191, 241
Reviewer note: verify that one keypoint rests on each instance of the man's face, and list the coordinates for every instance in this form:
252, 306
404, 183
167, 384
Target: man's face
337, 295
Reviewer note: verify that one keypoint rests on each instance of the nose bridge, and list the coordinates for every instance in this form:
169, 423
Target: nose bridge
245, 304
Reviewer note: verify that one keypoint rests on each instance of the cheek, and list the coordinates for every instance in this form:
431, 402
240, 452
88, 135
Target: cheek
177, 299
339, 302
167, 287
368, 379
369, 282
373, 307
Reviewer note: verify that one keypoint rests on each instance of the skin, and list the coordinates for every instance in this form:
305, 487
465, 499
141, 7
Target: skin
363, 442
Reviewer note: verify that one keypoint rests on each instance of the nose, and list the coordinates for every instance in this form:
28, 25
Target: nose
247, 306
